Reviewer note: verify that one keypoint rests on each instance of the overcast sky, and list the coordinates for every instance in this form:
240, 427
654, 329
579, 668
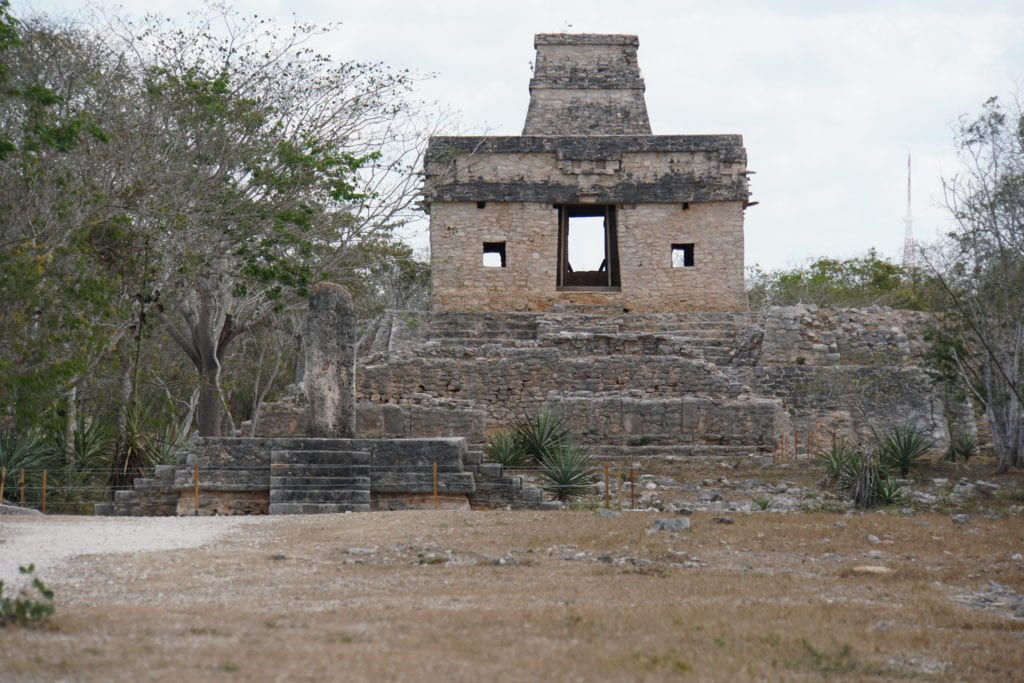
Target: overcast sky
829, 96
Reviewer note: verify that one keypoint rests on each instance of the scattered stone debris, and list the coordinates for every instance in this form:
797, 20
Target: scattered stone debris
871, 569
961, 519
673, 525
722, 520
607, 512
924, 665
995, 597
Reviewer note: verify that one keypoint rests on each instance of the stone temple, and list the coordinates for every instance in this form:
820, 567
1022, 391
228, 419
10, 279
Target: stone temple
587, 206
586, 267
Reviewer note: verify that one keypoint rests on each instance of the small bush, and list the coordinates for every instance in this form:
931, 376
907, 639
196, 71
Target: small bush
961, 447
504, 448
567, 472
840, 463
541, 433
24, 609
902, 449
890, 492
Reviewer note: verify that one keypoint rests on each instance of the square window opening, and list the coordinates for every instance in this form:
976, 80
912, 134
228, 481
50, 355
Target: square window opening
682, 255
494, 255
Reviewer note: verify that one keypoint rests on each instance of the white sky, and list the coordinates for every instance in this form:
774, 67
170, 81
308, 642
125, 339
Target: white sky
828, 95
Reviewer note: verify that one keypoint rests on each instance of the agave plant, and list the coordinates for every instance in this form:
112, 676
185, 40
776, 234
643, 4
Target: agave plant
503, 448
902, 449
541, 433
961, 447
567, 472
28, 453
839, 464
888, 491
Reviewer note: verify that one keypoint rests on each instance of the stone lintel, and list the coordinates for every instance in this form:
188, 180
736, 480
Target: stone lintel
728, 147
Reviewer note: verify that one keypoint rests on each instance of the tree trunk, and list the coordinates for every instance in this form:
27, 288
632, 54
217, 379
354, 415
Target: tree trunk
208, 411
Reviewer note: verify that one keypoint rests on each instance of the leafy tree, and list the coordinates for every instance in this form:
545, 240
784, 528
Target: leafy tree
981, 272
259, 147
61, 307
836, 283
183, 186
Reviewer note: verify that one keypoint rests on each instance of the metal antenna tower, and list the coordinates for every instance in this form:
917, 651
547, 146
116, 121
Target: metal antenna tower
909, 247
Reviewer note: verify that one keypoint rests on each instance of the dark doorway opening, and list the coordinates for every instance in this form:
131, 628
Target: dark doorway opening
587, 246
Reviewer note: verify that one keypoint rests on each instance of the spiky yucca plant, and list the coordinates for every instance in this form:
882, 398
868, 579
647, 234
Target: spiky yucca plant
541, 433
567, 472
503, 448
839, 464
902, 449
961, 447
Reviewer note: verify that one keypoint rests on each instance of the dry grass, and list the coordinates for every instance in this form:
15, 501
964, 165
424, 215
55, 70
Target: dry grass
417, 596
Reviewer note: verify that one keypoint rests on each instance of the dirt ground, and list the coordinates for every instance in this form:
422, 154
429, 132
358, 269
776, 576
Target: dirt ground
527, 596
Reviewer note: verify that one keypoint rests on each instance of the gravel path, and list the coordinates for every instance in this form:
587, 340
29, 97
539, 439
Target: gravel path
47, 542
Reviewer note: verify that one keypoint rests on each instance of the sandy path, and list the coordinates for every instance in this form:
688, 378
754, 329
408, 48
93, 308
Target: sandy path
49, 542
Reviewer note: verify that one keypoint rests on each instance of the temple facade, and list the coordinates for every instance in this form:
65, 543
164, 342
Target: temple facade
587, 207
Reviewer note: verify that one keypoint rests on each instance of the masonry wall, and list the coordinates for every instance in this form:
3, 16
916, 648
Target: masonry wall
646, 234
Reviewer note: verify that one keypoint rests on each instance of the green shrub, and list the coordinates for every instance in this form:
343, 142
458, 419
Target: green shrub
857, 474
541, 433
961, 447
503, 448
566, 471
839, 464
29, 452
24, 608
889, 491
901, 450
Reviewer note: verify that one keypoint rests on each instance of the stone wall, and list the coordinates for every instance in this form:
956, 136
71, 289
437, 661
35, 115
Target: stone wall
787, 379
646, 233
586, 82
808, 335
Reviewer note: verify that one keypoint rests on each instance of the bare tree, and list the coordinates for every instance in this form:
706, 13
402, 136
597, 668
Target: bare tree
982, 274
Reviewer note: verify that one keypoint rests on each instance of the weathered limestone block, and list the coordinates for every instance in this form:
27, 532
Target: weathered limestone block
330, 363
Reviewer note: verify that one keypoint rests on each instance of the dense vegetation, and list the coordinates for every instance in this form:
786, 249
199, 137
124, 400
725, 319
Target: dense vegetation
167, 195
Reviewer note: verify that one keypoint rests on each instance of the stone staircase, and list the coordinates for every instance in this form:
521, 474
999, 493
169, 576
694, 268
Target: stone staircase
154, 496
311, 482
496, 489
631, 384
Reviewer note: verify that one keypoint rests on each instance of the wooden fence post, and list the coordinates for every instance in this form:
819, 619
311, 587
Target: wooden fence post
43, 509
3, 480
195, 484
632, 488
21, 487
437, 503
607, 490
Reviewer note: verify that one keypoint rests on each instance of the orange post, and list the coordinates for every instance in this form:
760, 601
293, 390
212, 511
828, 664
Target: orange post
195, 489
607, 490
437, 503
44, 493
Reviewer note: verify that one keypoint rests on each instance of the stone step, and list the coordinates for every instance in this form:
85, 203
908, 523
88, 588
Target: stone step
319, 457
681, 450
288, 469
315, 482
316, 508
422, 483
355, 496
